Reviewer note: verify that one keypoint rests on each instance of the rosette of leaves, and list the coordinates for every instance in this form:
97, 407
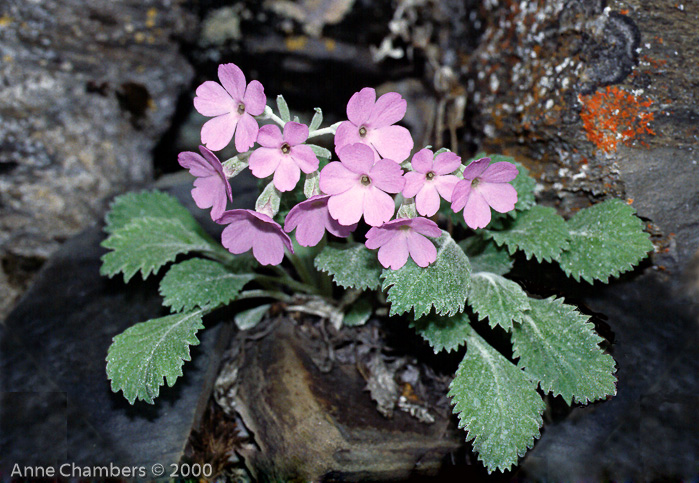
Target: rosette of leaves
498, 398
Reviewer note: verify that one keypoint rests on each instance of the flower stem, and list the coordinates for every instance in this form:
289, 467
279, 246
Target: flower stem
288, 282
272, 294
326, 130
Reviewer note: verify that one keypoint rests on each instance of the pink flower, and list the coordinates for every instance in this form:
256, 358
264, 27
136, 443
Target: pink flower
311, 218
358, 186
431, 179
211, 188
371, 123
482, 188
398, 238
232, 107
284, 156
248, 229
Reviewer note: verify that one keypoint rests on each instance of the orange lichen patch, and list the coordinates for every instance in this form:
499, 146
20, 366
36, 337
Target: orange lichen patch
624, 12
613, 115
5, 20
296, 43
151, 15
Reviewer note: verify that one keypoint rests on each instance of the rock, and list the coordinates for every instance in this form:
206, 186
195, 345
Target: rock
592, 98
322, 425
56, 404
88, 91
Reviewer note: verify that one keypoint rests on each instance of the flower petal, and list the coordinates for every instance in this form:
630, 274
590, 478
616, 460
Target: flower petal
476, 168
238, 236
305, 158
422, 161
287, 174
255, 99
476, 212
268, 248
460, 195
347, 133
347, 208
380, 235
426, 227
195, 163
387, 176
446, 163
356, 157
392, 142
233, 80
246, 133
264, 161
378, 207
295, 133
213, 100
445, 185
414, 182
394, 254
389, 109
427, 200
216, 133
500, 172
360, 105
422, 251
335, 178
270, 136
500, 196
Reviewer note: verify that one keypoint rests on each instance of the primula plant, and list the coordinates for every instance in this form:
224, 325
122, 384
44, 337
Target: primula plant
433, 235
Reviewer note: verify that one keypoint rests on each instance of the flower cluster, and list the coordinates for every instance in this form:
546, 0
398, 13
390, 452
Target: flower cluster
362, 184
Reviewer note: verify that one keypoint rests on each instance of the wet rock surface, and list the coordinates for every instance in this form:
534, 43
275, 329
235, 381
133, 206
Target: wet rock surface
87, 91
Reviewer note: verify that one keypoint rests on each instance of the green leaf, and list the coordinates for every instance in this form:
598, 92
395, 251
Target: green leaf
497, 405
141, 356
146, 244
486, 256
269, 200
499, 299
153, 204
539, 232
351, 266
359, 313
606, 240
443, 285
201, 283
283, 109
558, 348
316, 121
443, 333
247, 319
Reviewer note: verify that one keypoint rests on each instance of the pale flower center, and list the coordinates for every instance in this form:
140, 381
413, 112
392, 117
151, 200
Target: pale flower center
405, 228
362, 132
429, 176
286, 148
241, 108
475, 182
366, 181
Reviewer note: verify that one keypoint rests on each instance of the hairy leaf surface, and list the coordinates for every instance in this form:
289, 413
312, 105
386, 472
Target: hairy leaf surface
558, 348
497, 404
201, 283
443, 285
351, 266
606, 240
144, 356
